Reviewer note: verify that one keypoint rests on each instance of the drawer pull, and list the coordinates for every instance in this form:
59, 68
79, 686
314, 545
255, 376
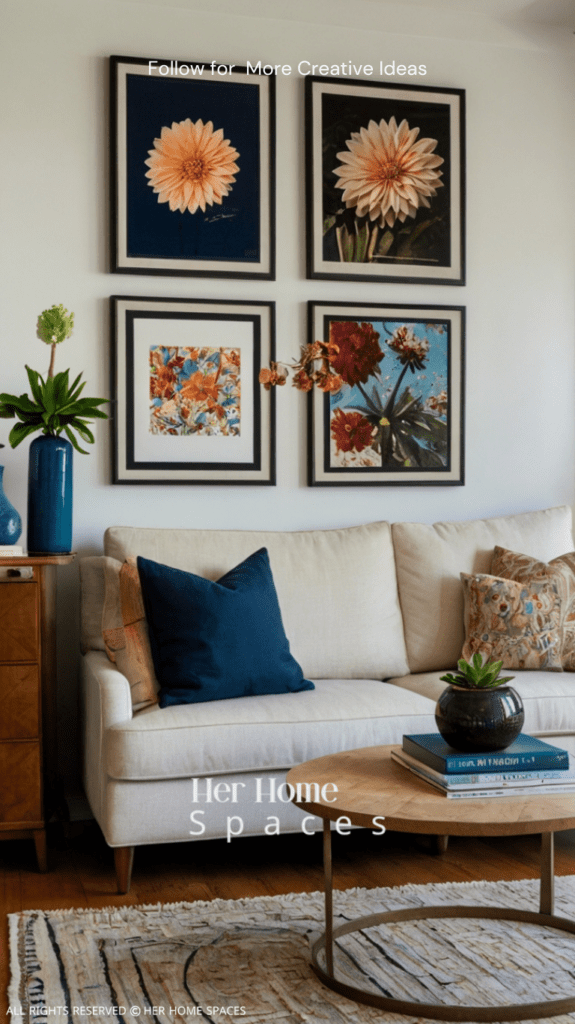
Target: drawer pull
10, 572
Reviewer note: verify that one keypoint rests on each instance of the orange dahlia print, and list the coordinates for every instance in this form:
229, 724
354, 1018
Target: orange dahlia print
191, 166
354, 350
351, 431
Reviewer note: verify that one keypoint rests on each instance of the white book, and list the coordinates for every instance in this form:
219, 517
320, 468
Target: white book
7, 550
482, 794
487, 780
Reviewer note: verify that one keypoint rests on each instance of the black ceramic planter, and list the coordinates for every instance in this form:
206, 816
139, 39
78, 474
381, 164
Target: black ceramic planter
478, 720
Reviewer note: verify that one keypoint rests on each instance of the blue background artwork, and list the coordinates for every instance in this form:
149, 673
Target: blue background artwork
431, 380
230, 231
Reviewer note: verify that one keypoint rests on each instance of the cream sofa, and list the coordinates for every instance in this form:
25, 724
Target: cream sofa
374, 615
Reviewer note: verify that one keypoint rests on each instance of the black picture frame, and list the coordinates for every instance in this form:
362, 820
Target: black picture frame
158, 116
399, 417
188, 406
355, 155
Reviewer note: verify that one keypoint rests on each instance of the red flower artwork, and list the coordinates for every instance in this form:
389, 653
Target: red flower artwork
354, 350
351, 431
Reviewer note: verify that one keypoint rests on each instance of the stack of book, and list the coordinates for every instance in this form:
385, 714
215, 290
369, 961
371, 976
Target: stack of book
528, 766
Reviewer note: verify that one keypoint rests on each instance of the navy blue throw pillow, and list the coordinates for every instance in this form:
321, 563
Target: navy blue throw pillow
211, 641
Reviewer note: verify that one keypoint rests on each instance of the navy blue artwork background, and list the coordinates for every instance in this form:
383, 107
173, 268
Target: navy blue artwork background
230, 231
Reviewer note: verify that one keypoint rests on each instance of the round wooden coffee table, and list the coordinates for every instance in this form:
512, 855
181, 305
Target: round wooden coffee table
369, 784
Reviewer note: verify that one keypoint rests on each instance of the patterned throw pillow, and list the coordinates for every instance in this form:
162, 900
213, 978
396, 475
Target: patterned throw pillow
125, 631
561, 572
516, 623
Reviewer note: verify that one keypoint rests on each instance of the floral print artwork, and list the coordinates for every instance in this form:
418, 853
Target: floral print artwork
195, 391
391, 410
384, 199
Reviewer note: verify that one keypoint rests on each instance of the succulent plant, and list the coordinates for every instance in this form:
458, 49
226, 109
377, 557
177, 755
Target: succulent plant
477, 674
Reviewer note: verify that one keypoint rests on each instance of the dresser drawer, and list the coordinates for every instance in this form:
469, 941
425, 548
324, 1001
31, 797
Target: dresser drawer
18, 621
19, 702
21, 793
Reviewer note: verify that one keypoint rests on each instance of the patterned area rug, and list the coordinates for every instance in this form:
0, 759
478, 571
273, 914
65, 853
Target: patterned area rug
248, 960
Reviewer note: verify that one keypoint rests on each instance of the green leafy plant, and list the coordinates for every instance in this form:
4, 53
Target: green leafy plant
55, 405
477, 674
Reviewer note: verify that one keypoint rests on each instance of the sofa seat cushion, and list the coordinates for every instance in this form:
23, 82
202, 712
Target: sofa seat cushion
245, 734
548, 697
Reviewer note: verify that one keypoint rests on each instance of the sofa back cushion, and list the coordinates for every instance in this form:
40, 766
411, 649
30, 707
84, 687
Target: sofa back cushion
429, 560
337, 589
92, 596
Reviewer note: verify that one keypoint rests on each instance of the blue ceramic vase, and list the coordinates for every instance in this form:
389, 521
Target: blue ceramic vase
10, 522
50, 496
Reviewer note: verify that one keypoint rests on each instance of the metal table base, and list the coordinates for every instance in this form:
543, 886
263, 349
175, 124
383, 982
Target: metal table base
519, 1011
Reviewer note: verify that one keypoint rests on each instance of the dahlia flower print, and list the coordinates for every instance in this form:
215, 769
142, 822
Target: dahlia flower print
195, 391
386, 177
191, 166
387, 174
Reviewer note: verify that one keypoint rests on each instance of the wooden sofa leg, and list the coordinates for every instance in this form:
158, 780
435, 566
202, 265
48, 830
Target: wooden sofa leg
123, 861
441, 844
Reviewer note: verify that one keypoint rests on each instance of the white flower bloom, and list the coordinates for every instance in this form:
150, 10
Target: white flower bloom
386, 174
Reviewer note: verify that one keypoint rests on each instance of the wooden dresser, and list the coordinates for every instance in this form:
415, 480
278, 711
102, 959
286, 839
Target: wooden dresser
27, 695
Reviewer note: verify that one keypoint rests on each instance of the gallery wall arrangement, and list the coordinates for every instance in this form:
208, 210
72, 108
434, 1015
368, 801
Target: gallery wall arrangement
193, 170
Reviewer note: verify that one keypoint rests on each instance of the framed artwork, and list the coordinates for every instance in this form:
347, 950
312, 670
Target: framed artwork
385, 172
192, 172
188, 405
398, 417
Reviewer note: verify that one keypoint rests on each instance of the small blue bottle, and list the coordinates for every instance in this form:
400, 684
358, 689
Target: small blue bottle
10, 522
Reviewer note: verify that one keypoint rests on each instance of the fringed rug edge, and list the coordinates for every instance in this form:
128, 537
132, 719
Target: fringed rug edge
220, 904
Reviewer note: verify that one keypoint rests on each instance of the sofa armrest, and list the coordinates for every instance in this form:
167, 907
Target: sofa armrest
106, 700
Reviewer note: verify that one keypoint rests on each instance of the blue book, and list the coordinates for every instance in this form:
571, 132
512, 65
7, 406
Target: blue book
526, 753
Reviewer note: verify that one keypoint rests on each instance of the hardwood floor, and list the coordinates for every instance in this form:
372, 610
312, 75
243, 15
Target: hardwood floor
82, 873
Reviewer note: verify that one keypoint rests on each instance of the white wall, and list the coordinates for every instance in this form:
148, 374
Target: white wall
520, 229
